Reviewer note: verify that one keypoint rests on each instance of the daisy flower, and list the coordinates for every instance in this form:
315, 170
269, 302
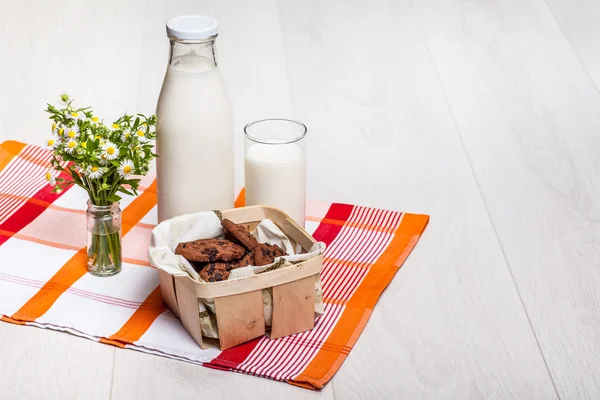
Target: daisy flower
102, 159
60, 130
95, 119
126, 135
110, 151
141, 135
52, 142
72, 132
54, 127
126, 168
95, 172
77, 115
51, 176
115, 125
71, 146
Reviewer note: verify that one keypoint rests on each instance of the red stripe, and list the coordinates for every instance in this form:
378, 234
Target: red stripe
233, 357
327, 232
29, 211
297, 355
270, 351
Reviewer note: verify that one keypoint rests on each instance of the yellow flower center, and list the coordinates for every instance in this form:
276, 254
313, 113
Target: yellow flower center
115, 126
94, 119
53, 127
60, 131
127, 169
74, 114
84, 145
50, 142
127, 134
140, 133
110, 151
94, 169
72, 145
48, 176
71, 134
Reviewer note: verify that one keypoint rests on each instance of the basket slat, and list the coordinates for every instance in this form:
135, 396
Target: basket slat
240, 318
188, 310
167, 289
293, 307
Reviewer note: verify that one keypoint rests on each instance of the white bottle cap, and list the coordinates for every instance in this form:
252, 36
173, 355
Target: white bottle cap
192, 27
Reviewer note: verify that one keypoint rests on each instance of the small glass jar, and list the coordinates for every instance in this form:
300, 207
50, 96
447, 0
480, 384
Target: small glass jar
104, 247
275, 166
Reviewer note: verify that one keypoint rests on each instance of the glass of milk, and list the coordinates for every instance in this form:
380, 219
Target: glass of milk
275, 166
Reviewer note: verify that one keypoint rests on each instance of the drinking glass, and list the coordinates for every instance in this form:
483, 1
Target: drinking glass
275, 166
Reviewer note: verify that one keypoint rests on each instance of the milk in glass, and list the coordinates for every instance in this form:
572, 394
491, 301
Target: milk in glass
275, 166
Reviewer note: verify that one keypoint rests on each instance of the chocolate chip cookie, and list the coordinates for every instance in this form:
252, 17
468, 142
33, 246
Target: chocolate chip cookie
265, 253
210, 250
215, 272
240, 233
244, 262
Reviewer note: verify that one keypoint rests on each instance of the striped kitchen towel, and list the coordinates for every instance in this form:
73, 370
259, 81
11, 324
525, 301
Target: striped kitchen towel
43, 279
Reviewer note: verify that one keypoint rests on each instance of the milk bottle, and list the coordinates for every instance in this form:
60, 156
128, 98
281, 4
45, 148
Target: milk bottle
195, 127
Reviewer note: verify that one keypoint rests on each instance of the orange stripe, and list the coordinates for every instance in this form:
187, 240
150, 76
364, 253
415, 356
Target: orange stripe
11, 149
359, 307
112, 342
141, 319
352, 264
12, 321
241, 199
41, 302
351, 224
75, 268
139, 207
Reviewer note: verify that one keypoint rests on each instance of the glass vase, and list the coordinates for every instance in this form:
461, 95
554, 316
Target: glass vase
104, 239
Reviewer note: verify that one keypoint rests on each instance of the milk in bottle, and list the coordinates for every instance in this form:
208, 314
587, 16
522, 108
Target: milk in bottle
195, 127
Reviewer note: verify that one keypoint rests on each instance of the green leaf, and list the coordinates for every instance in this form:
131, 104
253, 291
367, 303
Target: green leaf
114, 197
123, 190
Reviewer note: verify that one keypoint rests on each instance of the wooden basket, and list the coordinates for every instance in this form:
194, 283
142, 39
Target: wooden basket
238, 303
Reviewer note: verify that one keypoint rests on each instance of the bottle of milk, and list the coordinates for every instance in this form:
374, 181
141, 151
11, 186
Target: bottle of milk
195, 127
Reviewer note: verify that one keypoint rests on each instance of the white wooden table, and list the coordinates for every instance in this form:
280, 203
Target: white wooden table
484, 114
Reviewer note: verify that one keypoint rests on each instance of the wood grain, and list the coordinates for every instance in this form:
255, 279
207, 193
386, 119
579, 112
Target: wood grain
36, 364
90, 50
240, 318
162, 378
483, 114
451, 324
579, 21
293, 307
528, 115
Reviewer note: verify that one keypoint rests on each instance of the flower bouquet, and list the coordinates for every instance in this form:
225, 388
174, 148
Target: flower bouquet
105, 161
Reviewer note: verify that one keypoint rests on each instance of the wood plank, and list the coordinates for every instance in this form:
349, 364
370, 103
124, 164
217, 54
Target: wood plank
578, 20
162, 378
39, 363
528, 115
92, 51
451, 324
